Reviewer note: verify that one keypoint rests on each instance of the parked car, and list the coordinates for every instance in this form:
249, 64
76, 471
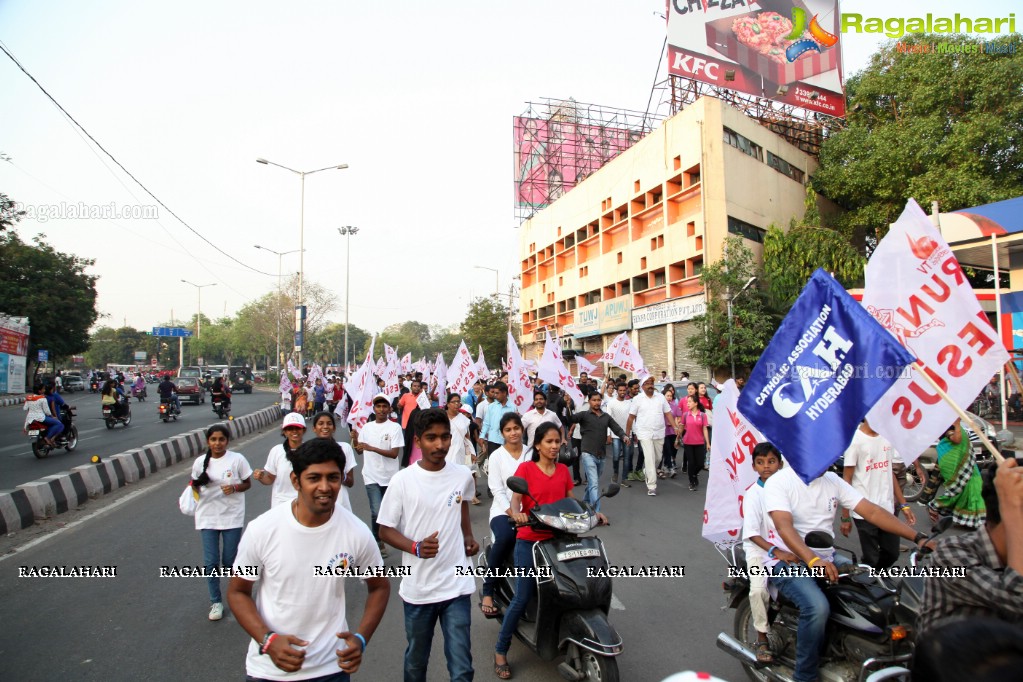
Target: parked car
73, 383
190, 390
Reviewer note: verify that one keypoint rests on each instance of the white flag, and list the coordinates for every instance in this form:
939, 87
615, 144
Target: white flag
553, 371
359, 413
917, 291
481, 365
463, 373
520, 388
406, 363
731, 470
442, 380
621, 353
392, 384
583, 364
294, 371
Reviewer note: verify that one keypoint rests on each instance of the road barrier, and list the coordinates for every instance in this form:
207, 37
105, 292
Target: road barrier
56, 494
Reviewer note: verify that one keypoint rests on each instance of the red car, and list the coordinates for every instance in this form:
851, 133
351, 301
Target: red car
189, 390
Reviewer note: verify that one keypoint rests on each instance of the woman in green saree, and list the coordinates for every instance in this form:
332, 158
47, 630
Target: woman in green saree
959, 470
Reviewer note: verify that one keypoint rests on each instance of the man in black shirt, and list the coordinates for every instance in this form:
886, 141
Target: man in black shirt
169, 392
594, 425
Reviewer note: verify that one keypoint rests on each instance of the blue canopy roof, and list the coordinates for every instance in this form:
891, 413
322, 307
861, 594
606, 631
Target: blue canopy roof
1008, 213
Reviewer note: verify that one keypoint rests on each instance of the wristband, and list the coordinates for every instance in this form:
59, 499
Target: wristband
362, 640
846, 519
904, 507
415, 550
770, 552
918, 538
812, 561
267, 641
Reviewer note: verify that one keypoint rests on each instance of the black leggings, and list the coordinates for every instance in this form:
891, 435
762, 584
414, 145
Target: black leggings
695, 456
668, 452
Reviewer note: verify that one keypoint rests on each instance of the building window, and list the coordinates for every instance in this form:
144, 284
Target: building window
744, 144
784, 167
744, 229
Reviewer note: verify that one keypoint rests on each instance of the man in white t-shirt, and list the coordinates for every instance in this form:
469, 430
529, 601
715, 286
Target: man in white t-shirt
618, 408
796, 510
648, 412
298, 622
381, 441
538, 415
425, 514
868, 468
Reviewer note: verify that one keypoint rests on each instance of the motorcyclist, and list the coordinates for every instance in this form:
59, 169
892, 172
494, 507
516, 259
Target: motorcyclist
138, 387
56, 403
113, 394
221, 391
38, 409
168, 391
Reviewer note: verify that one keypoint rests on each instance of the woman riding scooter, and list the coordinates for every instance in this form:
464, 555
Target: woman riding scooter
114, 395
549, 481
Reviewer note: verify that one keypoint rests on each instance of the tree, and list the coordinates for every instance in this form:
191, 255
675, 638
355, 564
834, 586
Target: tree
53, 290
751, 327
486, 324
945, 128
408, 337
791, 257
9, 213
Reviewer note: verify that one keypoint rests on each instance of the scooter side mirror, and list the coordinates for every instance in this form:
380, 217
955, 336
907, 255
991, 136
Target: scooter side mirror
612, 490
944, 523
517, 484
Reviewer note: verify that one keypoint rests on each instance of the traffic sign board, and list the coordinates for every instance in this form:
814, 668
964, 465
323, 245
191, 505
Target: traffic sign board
171, 331
44, 355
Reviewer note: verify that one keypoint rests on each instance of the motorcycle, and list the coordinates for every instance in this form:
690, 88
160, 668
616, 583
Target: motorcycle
569, 616
67, 439
139, 393
870, 627
221, 407
94, 386
169, 408
112, 416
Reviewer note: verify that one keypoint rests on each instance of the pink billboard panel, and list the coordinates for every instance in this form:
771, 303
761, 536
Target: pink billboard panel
785, 50
551, 156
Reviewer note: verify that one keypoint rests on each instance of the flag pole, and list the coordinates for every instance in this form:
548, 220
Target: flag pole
962, 415
1014, 375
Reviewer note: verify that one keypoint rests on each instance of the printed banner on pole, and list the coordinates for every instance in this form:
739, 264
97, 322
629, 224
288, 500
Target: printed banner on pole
621, 353
294, 371
462, 374
731, 470
442, 380
583, 364
916, 290
826, 366
406, 363
520, 388
553, 371
481, 365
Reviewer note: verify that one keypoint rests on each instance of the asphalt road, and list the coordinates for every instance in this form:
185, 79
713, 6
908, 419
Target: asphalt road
137, 625
18, 465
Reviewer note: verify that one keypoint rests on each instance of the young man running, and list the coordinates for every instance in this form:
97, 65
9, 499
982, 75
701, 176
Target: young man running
381, 441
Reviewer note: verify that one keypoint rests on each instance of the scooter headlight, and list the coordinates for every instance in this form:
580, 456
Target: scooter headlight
569, 522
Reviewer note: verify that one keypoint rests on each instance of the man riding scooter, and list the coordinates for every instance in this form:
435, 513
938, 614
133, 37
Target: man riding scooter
168, 391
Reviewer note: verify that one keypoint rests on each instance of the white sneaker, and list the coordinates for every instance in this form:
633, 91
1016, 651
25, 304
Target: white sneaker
651, 492
217, 611
383, 550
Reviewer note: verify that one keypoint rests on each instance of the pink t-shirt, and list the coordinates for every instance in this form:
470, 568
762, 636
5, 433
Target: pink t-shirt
694, 424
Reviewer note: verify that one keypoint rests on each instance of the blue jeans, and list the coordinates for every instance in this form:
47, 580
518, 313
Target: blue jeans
594, 467
53, 427
420, 622
525, 590
804, 592
213, 558
616, 457
375, 493
504, 545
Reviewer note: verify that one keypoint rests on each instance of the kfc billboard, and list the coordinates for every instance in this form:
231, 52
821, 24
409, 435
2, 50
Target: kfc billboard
785, 50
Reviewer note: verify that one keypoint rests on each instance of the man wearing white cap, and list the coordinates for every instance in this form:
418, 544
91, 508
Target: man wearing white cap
277, 471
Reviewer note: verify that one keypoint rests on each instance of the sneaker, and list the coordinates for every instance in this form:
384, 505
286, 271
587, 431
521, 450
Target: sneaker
692, 487
383, 550
217, 611
651, 492
614, 478
625, 484
673, 472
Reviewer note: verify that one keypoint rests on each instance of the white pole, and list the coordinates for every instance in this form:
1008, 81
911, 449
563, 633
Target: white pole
300, 322
998, 326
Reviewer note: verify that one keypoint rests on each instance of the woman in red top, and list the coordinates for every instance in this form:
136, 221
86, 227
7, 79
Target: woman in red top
694, 439
549, 481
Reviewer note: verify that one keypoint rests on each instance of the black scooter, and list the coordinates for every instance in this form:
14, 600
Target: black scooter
569, 616
169, 408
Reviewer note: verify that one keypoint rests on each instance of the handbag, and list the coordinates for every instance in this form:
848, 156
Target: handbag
188, 501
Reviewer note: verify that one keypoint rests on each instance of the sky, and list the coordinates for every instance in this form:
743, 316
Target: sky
416, 97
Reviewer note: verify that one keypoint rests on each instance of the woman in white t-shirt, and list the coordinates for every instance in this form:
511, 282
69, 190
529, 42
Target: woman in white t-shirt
219, 477
503, 463
461, 451
277, 471
324, 427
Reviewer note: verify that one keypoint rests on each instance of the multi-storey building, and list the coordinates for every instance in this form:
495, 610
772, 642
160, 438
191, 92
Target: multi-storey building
623, 250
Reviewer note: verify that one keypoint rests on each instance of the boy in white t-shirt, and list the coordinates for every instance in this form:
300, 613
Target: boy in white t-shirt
759, 543
381, 442
425, 514
297, 621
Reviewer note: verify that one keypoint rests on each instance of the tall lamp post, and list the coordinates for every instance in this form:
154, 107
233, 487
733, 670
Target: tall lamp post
497, 279
301, 229
280, 256
730, 299
198, 314
347, 231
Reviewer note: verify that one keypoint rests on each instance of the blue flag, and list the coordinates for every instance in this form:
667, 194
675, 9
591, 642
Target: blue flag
826, 366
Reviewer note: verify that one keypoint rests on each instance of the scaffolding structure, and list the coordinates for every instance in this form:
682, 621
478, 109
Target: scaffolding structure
802, 128
558, 143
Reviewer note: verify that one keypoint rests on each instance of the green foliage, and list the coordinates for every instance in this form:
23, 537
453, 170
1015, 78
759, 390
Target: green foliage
486, 325
50, 288
790, 258
751, 327
406, 337
9, 213
935, 127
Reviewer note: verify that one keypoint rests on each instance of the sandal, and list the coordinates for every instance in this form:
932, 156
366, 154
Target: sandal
475, 501
502, 670
764, 653
489, 610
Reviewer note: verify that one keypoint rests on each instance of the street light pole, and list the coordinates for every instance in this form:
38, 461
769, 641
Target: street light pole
301, 230
347, 231
198, 316
280, 257
746, 286
497, 279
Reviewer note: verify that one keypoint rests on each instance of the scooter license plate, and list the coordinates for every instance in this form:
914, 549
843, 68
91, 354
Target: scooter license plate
33, 433
578, 554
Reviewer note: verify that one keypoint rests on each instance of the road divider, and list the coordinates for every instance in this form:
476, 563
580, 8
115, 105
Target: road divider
56, 494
